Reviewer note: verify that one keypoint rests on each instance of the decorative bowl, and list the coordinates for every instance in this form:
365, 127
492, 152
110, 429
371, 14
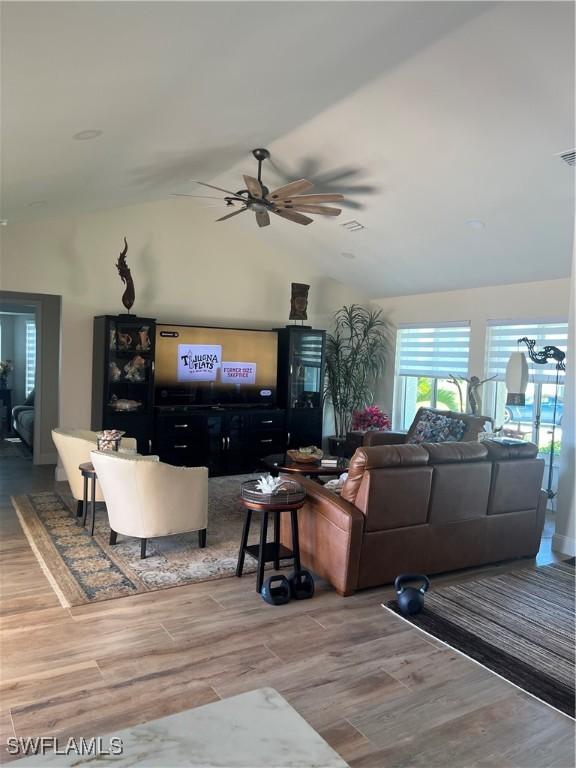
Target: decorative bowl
307, 457
289, 492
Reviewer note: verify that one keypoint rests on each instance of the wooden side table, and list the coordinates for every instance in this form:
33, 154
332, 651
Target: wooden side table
273, 551
89, 474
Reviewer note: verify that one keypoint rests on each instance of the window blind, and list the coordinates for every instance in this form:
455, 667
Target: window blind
435, 350
30, 356
502, 340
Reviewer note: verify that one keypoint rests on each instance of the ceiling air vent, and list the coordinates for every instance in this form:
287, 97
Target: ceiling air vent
352, 225
569, 157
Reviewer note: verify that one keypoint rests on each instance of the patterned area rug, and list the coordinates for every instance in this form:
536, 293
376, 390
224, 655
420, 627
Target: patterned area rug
84, 569
519, 624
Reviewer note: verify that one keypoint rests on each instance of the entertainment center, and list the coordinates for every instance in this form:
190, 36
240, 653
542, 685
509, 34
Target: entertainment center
201, 396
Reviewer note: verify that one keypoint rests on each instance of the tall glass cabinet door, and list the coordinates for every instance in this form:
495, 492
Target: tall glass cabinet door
129, 366
306, 370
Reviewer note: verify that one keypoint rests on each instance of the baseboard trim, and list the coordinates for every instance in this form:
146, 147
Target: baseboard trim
564, 544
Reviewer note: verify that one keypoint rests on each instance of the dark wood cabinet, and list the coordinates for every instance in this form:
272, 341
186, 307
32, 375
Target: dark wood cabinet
123, 376
301, 383
228, 441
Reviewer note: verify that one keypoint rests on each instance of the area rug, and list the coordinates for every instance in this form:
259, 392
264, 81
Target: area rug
519, 624
84, 569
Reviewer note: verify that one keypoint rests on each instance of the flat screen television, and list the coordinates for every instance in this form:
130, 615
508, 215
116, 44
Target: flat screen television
215, 366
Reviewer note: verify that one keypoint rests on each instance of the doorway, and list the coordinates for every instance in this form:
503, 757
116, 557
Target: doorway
30, 360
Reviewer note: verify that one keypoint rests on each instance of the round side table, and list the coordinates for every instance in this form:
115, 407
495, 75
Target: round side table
89, 474
273, 551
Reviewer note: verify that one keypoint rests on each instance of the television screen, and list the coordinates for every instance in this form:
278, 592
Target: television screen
215, 366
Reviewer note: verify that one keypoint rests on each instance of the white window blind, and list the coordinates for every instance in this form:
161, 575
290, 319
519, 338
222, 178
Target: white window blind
30, 356
434, 350
502, 340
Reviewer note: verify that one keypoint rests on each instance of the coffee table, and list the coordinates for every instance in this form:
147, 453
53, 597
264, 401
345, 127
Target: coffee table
281, 462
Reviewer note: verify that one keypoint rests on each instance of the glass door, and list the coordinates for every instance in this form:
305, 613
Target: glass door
538, 421
129, 367
306, 370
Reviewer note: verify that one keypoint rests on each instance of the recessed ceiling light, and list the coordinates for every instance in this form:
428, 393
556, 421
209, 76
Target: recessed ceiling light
347, 255
36, 203
3, 222
476, 224
86, 135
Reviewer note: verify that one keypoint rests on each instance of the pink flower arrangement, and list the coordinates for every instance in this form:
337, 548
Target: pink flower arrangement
372, 417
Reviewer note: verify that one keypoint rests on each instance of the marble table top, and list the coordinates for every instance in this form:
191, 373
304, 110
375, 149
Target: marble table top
258, 729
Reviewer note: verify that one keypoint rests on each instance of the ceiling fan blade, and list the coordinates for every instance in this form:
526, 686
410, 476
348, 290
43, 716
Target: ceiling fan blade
306, 199
290, 190
229, 215
263, 218
310, 209
292, 216
234, 194
253, 186
203, 197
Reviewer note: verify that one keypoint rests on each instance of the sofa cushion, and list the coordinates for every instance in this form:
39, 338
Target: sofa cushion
503, 450
452, 453
436, 428
380, 457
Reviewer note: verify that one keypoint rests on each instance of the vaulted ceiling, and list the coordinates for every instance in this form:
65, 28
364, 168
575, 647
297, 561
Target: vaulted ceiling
441, 122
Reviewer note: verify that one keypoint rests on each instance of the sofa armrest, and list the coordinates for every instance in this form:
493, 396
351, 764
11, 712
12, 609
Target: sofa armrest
374, 437
330, 533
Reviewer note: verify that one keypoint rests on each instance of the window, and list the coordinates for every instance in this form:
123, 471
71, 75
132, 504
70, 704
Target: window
540, 417
30, 356
426, 358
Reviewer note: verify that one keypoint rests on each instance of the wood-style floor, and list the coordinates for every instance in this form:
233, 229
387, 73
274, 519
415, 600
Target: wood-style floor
380, 692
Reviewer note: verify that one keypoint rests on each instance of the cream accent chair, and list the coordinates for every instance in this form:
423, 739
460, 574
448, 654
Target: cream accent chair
74, 446
147, 498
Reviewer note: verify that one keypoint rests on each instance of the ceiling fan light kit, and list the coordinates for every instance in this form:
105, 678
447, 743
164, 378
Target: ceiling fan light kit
289, 202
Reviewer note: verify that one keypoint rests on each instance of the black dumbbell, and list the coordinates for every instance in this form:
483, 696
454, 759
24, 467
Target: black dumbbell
276, 590
301, 585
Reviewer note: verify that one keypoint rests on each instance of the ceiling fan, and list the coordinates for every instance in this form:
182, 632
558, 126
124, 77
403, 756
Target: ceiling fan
288, 201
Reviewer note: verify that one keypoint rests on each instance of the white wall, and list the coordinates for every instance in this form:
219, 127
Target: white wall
564, 539
186, 268
543, 300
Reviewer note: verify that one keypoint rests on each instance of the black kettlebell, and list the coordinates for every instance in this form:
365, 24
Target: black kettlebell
411, 599
276, 590
301, 585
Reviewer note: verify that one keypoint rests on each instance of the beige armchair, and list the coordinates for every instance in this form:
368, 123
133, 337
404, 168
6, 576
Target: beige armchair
146, 498
74, 446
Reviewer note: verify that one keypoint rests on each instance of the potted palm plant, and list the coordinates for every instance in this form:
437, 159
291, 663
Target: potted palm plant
355, 358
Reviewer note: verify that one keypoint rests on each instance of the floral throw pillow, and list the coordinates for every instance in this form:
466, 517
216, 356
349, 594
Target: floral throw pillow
435, 428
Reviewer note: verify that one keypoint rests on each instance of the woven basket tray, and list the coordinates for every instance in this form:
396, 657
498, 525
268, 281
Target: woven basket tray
305, 458
290, 492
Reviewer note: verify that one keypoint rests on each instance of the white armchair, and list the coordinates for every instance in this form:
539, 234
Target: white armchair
74, 446
146, 498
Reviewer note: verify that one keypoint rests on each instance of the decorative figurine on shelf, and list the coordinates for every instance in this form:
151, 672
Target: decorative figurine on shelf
124, 340
124, 271
144, 343
299, 301
115, 372
123, 404
134, 371
112, 338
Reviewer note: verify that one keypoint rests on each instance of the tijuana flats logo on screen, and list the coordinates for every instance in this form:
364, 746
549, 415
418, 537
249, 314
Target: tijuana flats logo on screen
238, 373
199, 362
203, 362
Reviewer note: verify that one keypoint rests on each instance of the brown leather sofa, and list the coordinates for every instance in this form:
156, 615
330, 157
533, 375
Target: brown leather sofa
474, 425
426, 508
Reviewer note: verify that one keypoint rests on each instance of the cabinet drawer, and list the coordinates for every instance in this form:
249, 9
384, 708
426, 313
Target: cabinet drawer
268, 421
268, 442
169, 422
